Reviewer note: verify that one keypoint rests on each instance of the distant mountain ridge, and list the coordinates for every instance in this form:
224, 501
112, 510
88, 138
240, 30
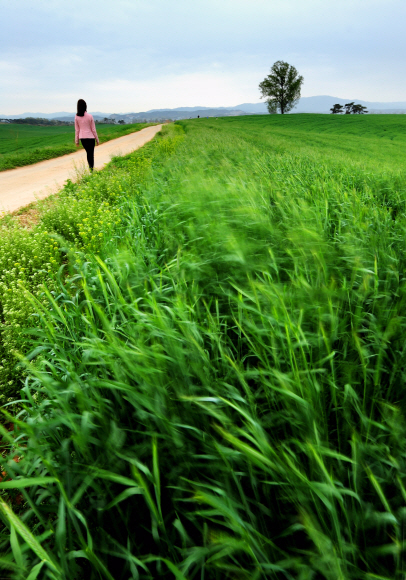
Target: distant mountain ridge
144, 116
318, 104
323, 104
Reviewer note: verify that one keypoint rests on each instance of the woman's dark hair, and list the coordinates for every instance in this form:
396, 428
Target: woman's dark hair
82, 107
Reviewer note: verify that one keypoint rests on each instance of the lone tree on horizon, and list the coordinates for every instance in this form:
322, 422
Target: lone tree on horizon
281, 88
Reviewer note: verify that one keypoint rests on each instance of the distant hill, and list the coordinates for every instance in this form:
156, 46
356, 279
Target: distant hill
387, 111
256, 108
323, 104
154, 115
61, 116
318, 104
36, 115
177, 114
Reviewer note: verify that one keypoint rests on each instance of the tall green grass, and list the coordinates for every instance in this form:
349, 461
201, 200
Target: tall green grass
372, 140
217, 390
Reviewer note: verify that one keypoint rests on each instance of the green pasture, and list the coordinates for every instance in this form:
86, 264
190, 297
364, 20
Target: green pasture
367, 140
203, 360
26, 144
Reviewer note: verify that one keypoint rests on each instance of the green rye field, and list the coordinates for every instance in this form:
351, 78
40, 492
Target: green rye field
203, 359
26, 144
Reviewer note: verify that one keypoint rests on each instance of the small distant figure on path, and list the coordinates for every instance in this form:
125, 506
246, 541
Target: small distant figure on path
198, 116
85, 130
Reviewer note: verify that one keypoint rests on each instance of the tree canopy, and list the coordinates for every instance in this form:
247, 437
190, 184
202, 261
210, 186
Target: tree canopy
337, 109
281, 88
359, 110
349, 108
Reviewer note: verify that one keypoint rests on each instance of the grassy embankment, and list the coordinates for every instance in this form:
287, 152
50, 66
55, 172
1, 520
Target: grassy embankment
27, 144
217, 385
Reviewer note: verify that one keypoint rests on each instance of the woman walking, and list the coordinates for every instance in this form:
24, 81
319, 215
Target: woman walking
85, 130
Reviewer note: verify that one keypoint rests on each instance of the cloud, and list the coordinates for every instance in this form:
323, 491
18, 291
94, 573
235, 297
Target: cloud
170, 53
201, 88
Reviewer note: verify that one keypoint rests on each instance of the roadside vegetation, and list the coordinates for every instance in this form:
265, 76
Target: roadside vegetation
209, 337
22, 145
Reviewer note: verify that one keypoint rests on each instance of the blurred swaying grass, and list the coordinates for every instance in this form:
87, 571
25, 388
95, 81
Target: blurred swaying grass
217, 390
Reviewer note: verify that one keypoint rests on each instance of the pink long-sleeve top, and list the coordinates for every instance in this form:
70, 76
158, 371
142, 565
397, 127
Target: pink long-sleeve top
85, 128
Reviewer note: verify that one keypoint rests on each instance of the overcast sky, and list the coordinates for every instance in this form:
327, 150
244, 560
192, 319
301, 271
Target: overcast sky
134, 55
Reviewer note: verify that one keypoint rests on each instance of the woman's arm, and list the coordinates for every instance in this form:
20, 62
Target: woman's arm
93, 128
76, 131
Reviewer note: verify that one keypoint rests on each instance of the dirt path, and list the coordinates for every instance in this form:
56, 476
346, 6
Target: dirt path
21, 186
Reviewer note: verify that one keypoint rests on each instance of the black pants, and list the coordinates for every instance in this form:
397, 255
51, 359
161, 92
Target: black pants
88, 145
